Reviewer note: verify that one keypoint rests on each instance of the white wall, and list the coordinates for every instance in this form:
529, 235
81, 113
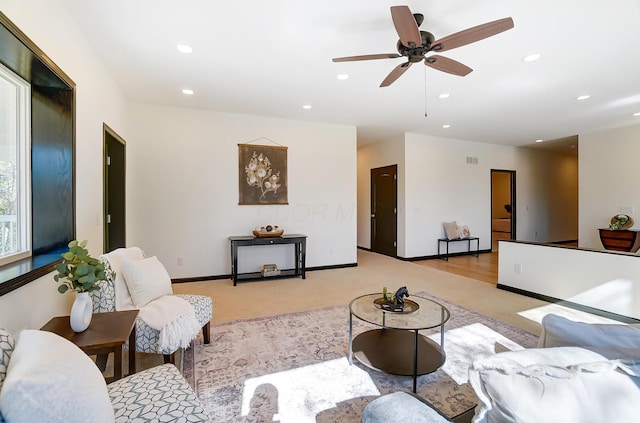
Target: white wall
98, 100
441, 186
609, 175
182, 199
371, 156
553, 180
436, 184
609, 282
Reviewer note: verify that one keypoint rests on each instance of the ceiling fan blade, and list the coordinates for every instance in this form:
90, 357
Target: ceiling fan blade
472, 35
366, 57
406, 26
445, 64
395, 74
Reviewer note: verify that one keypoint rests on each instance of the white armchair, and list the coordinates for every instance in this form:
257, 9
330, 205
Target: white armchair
114, 295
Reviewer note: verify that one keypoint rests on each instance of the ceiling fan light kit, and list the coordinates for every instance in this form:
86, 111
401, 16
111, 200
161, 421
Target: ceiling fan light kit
415, 44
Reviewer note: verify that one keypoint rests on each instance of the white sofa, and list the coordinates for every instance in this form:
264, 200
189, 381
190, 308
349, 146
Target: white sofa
580, 373
46, 378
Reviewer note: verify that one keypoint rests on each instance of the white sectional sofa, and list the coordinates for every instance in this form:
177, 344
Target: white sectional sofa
46, 378
580, 373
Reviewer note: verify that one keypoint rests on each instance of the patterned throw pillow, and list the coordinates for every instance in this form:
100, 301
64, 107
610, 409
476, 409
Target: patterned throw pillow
7, 344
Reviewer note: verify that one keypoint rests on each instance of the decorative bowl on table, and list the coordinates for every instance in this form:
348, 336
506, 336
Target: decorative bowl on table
621, 222
408, 307
269, 231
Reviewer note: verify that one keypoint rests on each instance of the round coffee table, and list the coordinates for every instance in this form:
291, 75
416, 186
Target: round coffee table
397, 347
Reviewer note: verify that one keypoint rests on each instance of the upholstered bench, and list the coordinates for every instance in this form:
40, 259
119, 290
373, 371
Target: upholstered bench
44, 377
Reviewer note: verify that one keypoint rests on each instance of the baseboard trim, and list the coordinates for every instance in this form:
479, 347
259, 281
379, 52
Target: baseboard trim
435, 256
200, 278
228, 276
576, 306
333, 266
432, 257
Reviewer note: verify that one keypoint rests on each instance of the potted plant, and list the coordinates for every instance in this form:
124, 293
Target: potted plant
79, 272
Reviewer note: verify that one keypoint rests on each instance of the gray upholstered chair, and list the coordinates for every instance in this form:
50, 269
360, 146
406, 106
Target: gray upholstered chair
147, 338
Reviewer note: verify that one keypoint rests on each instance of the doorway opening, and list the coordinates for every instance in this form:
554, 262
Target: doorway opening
503, 206
114, 190
384, 207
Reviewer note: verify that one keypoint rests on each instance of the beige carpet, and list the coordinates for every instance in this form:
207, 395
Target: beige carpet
294, 368
333, 287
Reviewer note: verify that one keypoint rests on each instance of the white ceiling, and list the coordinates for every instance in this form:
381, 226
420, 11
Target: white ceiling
271, 57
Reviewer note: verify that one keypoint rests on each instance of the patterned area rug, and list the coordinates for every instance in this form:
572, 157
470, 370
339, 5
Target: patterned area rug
294, 367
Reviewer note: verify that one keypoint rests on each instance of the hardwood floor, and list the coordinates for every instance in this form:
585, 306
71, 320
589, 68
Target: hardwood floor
483, 268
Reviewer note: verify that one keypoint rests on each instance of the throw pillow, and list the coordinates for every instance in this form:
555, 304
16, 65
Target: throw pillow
7, 345
563, 384
114, 261
611, 340
146, 279
51, 380
451, 230
463, 231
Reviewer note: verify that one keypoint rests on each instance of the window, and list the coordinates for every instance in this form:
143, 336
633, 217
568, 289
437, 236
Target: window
44, 161
15, 212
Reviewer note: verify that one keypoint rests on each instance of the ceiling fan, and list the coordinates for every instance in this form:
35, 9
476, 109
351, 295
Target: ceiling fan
415, 44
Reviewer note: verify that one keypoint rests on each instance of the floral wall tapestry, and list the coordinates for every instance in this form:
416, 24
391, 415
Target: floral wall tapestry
262, 174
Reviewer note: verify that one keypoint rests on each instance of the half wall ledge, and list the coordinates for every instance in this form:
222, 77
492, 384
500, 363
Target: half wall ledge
598, 281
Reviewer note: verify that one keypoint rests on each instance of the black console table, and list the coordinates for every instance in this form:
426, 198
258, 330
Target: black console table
468, 239
300, 251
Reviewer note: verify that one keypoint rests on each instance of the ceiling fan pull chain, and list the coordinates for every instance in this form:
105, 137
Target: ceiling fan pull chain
425, 91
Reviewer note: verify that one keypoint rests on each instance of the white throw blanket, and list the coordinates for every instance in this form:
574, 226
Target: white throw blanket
174, 318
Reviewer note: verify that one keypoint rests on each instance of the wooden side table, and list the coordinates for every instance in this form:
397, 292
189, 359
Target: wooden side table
107, 333
620, 240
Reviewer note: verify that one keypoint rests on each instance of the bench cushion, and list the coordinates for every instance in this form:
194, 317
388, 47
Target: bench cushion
158, 394
400, 407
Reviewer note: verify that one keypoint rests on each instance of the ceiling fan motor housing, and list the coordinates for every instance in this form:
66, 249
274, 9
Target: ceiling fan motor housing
416, 54
415, 44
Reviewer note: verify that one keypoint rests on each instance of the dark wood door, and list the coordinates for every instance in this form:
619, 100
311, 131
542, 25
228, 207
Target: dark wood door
384, 207
114, 191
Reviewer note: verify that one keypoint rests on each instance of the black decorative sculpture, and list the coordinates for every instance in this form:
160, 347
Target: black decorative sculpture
393, 302
400, 294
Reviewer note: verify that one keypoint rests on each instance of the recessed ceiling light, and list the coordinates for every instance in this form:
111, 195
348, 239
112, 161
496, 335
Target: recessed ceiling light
532, 57
446, 126
444, 95
306, 106
183, 48
583, 97
539, 140
342, 76
187, 92
637, 114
